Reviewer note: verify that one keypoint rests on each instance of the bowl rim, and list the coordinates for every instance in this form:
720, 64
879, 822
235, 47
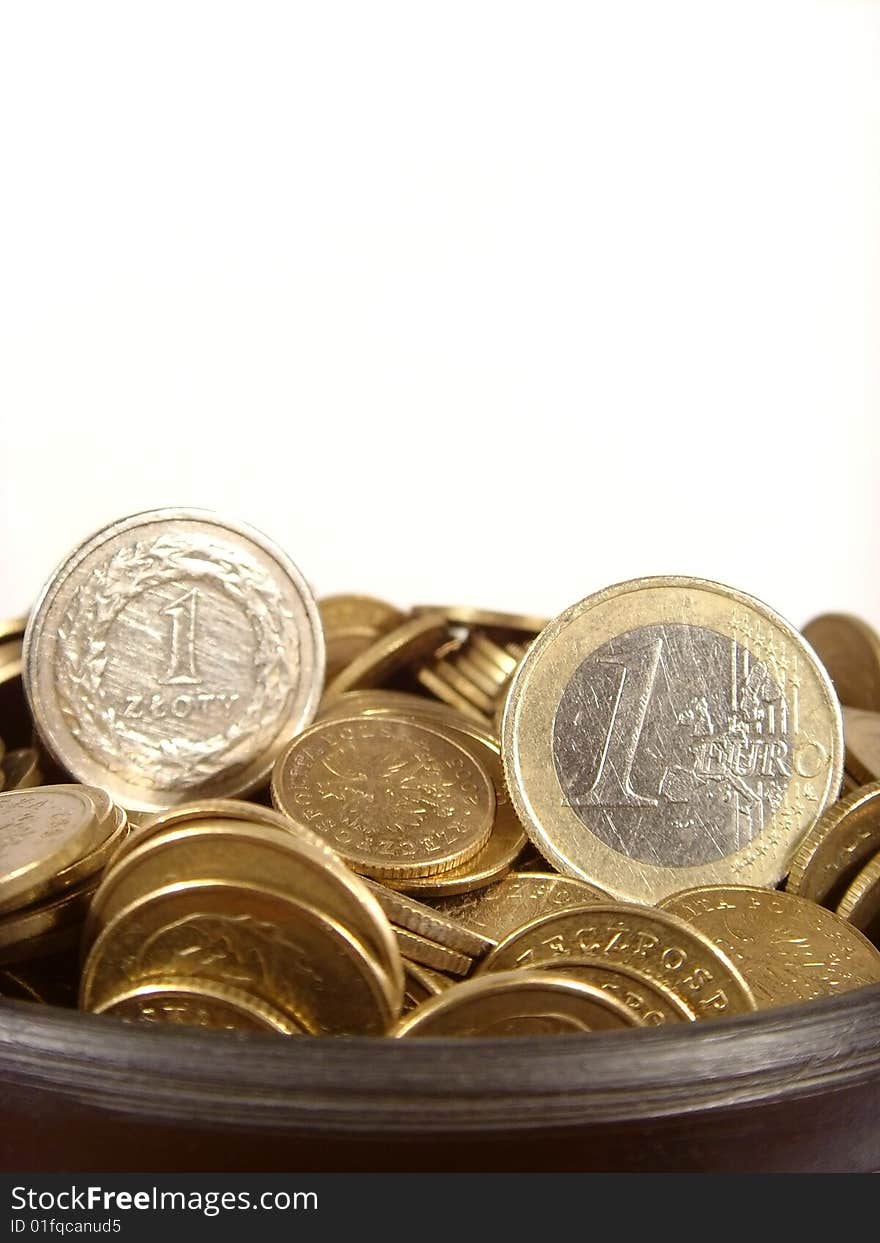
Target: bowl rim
428, 1086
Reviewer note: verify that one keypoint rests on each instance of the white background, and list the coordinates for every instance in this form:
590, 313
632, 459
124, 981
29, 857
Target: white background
466, 301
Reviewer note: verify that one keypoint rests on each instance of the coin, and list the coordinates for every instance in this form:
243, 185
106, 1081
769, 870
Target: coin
850, 650
473, 674
837, 847
196, 1003
488, 619
654, 942
173, 653
21, 769
653, 1004
381, 701
427, 922
287, 952
12, 628
413, 640
237, 810
517, 899
861, 731
395, 797
351, 624
788, 948
860, 904
670, 732
41, 832
519, 1003
420, 983
431, 954
257, 855
13, 984
22, 932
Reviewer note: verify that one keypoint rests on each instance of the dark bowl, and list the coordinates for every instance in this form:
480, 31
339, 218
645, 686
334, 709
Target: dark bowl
797, 1088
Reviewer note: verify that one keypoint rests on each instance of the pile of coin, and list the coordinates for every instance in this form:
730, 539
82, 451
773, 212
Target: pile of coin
353, 819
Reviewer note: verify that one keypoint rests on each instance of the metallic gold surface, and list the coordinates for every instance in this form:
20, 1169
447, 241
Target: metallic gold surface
861, 731
352, 623
395, 797
654, 1004
671, 732
255, 855
420, 984
21, 769
173, 653
498, 910
431, 954
837, 847
850, 650
487, 619
519, 1003
41, 832
787, 948
28, 933
196, 1003
414, 640
860, 905
428, 922
657, 943
292, 955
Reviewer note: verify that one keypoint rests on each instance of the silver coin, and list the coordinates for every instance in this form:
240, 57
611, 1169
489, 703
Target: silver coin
173, 654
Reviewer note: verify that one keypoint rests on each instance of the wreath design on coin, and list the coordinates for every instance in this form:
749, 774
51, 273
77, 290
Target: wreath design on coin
82, 658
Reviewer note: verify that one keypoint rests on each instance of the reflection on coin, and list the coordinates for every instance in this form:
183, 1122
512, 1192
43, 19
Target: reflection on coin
519, 1003
292, 955
653, 1004
41, 832
837, 847
788, 948
416, 917
669, 732
860, 905
656, 943
420, 984
850, 650
431, 953
517, 899
23, 933
861, 731
413, 640
257, 855
352, 624
21, 769
172, 654
395, 797
196, 1003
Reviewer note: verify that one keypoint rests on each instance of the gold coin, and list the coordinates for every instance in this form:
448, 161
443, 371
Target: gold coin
85, 870
21, 768
26, 933
487, 619
427, 922
837, 847
849, 784
173, 653
653, 1004
850, 650
788, 948
257, 855
507, 838
860, 904
419, 984
518, 898
381, 701
41, 832
395, 797
655, 942
412, 641
196, 1003
351, 624
861, 731
12, 628
669, 732
290, 954
431, 954
519, 1003
237, 810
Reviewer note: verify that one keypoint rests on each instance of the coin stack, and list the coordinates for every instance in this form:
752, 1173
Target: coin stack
480, 823
54, 843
